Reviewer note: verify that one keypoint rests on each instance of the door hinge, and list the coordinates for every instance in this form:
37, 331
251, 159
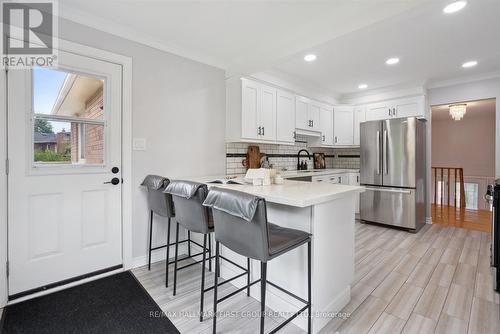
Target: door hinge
7, 166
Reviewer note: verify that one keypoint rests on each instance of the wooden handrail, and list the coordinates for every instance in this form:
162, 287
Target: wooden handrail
441, 175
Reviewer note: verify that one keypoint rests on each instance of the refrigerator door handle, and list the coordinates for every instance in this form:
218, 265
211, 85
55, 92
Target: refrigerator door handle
386, 168
378, 152
389, 190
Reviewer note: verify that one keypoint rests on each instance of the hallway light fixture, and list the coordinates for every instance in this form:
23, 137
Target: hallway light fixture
457, 111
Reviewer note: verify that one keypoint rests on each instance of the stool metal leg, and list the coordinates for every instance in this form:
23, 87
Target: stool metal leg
248, 277
263, 281
309, 310
189, 243
217, 269
209, 252
150, 238
203, 276
176, 255
168, 253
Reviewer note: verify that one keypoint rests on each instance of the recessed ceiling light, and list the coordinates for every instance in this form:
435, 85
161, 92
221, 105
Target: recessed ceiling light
392, 61
468, 64
310, 57
363, 86
455, 7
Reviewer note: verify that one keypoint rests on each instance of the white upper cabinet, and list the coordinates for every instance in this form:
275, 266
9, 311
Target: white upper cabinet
307, 114
302, 120
343, 125
258, 113
399, 108
359, 117
285, 117
250, 108
267, 115
326, 123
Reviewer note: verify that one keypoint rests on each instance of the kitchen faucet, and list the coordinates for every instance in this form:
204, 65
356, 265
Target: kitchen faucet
298, 158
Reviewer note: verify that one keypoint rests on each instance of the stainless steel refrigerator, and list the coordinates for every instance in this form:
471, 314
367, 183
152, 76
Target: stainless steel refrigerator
393, 172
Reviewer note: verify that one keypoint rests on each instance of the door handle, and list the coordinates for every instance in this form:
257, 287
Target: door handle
386, 168
389, 190
378, 152
114, 181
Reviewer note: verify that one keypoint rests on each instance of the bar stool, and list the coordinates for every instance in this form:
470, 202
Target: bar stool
161, 204
188, 198
241, 225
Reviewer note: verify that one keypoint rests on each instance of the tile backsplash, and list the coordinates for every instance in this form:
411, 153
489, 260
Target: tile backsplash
284, 157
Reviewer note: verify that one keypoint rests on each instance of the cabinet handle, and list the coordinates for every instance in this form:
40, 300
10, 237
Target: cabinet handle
312, 123
259, 132
263, 131
323, 137
393, 111
335, 139
357, 179
294, 135
390, 112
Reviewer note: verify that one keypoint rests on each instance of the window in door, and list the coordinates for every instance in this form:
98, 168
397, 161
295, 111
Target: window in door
69, 119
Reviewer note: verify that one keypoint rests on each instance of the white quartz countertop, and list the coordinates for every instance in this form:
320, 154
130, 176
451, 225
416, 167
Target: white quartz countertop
292, 193
316, 172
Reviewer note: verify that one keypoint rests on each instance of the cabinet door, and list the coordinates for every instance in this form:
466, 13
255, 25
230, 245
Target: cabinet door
326, 123
250, 108
302, 113
359, 117
409, 107
343, 125
285, 117
267, 115
314, 112
379, 111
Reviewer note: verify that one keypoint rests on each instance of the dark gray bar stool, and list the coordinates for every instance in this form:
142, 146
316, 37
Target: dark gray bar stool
188, 198
161, 204
241, 225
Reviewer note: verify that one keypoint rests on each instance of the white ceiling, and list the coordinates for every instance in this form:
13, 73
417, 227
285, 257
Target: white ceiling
481, 108
432, 46
352, 38
238, 36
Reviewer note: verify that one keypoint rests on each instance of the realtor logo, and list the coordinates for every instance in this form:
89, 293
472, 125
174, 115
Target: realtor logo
28, 33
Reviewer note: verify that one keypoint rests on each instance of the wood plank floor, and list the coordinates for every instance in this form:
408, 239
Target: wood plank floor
479, 220
435, 281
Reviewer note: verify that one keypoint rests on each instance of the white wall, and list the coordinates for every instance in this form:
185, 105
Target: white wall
470, 91
178, 106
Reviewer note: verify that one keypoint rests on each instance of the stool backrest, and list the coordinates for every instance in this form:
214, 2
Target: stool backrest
158, 202
188, 200
240, 222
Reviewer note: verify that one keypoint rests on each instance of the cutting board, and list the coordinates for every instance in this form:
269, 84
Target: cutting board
253, 157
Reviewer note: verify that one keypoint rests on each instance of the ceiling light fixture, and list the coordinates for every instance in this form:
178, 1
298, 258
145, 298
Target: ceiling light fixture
455, 7
363, 86
310, 57
468, 64
457, 111
392, 61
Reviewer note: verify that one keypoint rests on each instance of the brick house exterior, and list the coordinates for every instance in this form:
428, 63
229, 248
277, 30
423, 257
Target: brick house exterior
94, 134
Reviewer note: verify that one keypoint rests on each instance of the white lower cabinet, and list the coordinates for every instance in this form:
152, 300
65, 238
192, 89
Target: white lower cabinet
354, 181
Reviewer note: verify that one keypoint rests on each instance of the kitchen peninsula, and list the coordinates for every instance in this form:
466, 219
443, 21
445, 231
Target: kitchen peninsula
327, 212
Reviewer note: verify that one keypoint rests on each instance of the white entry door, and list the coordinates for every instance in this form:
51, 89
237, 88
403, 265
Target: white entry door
64, 147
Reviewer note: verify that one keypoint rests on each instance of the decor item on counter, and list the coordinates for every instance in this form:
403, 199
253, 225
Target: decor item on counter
257, 182
319, 161
253, 157
264, 162
278, 179
457, 111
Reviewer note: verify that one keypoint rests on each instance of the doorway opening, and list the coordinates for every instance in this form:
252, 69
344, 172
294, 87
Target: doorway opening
463, 163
